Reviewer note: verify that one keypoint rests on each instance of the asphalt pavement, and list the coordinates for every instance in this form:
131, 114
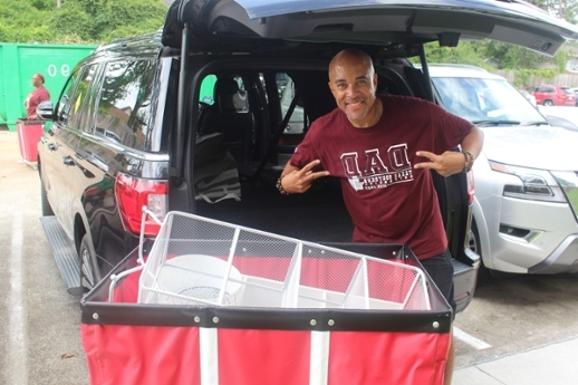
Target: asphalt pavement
519, 330
39, 320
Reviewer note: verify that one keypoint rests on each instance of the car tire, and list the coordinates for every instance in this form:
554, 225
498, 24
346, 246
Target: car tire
548, 102
88, 264
484, 274
46, 209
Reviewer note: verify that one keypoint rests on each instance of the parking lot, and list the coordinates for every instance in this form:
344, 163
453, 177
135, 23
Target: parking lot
40, 338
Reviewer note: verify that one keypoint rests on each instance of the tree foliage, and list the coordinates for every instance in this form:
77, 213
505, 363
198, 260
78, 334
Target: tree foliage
98, 21
16, 22
526, 65
564, 9
86, 21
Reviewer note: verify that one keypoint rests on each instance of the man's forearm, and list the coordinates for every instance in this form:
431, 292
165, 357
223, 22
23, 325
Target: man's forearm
473, 142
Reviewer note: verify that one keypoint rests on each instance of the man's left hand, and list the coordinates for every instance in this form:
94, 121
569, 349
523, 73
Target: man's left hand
446, 164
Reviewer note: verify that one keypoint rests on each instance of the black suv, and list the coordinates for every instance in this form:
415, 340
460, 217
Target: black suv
202, 116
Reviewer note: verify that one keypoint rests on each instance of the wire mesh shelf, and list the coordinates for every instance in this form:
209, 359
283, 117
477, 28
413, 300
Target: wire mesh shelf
200, 261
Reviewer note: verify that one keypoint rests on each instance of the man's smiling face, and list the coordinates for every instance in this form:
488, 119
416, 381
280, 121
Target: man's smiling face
353, 82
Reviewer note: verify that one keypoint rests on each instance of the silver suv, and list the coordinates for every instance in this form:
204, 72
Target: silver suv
525, 214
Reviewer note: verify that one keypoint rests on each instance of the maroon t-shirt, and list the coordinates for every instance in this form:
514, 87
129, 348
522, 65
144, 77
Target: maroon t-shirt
36, 97
389, 201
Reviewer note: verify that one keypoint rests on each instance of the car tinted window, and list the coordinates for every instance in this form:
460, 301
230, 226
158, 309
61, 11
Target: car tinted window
286, 88
207, 93
124, 106
63, 107
72, 105
81, 106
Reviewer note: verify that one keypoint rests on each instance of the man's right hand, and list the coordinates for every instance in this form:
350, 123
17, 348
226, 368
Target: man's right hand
296, 181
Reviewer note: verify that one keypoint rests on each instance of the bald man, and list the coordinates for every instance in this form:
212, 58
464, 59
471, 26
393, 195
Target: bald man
382, 150
39, 95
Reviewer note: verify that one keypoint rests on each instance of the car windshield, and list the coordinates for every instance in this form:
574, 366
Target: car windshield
485, 101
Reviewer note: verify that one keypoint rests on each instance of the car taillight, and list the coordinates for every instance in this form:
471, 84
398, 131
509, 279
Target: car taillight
471, 187
134, 193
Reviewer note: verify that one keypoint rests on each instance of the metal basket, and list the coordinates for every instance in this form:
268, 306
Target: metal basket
214, 303
200, 261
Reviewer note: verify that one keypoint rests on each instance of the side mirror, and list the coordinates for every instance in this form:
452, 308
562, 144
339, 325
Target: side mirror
44, 111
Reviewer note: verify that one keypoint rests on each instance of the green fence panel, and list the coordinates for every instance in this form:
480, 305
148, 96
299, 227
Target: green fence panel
3, 116
18, 62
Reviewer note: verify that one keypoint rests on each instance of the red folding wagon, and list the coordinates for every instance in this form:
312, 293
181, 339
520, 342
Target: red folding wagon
211, 303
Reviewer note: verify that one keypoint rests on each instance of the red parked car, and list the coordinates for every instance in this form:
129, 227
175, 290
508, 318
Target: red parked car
549, 95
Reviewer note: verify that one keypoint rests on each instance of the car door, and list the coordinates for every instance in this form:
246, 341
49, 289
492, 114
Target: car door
71, 111
79, 174
51, 150
119, 128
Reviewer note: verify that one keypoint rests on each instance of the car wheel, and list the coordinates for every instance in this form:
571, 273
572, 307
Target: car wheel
484, 274
46, 209
548, 103
88, 265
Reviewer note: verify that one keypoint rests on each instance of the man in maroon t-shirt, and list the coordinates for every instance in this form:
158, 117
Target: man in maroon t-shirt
383, 149
39, 95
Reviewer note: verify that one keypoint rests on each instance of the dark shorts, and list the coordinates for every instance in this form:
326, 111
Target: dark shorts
441, 270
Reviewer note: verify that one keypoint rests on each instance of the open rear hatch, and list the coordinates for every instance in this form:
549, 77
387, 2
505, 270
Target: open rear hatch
401, 26
394, 27
379, 22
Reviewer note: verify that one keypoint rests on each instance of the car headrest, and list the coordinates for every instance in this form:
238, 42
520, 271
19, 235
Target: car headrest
229, 97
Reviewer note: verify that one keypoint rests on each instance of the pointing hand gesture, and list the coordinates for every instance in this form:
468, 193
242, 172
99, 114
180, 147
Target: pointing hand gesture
300, 180
446, 164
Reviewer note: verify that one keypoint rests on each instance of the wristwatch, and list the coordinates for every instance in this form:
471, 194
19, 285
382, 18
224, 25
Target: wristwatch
469, 161
279, 186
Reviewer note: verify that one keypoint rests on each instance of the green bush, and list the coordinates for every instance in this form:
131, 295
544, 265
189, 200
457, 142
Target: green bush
527, 67
76, 21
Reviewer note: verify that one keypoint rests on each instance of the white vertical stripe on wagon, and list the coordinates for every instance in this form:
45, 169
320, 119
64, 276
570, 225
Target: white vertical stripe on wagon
319, 358
208, 339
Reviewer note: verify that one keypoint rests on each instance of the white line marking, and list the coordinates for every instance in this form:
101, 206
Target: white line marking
17, 344
476, 343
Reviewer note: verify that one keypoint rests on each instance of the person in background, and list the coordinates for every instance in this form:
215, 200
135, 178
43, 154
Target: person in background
39, 95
